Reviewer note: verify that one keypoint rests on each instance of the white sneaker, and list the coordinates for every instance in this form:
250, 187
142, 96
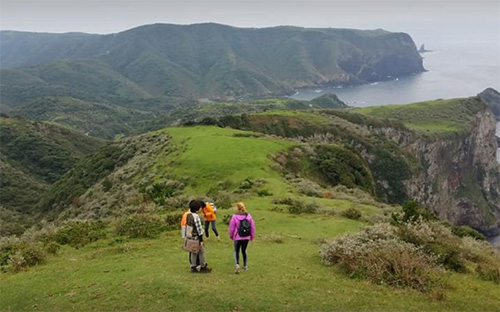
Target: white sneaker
245, 268
237, 269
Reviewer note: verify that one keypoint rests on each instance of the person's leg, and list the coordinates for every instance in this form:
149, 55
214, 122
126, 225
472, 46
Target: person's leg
193, 260
237, 246
244, 245
207, 223
214, 228
201, 255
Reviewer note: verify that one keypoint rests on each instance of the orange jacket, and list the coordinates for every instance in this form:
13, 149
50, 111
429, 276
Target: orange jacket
184, 218
208, 213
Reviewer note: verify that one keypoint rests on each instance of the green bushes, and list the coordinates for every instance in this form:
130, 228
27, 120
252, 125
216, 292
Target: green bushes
19, 255
296, 206
78, 233
140, 226
351, 213
342, 166
467, 231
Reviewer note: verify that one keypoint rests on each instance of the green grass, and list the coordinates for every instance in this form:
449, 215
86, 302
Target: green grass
309, 117
213, 155
440, 116
287, 276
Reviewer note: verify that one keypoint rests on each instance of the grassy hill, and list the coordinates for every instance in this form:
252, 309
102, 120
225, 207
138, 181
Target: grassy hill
286, 273
440, 116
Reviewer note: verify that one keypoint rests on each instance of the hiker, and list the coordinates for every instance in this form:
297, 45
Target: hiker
241, 231
194, 234
210, 217
183, 235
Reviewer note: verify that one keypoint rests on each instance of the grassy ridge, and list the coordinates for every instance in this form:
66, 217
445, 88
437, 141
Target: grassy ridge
212, 154
440, 116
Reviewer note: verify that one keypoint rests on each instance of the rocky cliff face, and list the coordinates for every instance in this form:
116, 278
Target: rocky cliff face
460, 179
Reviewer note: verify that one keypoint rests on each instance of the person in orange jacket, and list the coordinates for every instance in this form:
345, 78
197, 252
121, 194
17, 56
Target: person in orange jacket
210, 217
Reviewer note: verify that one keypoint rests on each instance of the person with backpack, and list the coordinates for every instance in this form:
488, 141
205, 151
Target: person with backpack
210, 217
183, 235
193, 233
241, 231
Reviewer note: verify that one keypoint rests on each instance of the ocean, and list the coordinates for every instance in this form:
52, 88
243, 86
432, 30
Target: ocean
455, 68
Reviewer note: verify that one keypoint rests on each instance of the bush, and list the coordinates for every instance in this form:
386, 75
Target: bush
52, 247
26, 256
378, 255
173, 219
464, 231
264, 193
78, 233
299, 207
351, 213
140, 225
308, 188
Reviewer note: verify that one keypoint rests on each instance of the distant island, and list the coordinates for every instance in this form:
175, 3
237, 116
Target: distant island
423, 49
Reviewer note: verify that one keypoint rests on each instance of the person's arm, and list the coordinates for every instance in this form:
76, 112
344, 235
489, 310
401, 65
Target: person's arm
252, 229
232, 225
199, 228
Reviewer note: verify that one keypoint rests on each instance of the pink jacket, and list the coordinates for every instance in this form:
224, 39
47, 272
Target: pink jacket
235, 223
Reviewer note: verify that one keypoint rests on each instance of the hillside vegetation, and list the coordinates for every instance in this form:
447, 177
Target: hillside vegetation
33, 155
125, 77
143, 267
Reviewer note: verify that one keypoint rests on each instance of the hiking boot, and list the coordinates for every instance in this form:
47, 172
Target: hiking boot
205, 269
237, 269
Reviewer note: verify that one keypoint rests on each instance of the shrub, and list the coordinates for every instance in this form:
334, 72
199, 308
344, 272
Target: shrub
328, 194
352, 213
263, 193
52, 247
32, 254
412, 211
26, 256
8, 247
78, 233
308, 187
486, 259
159, 192
140, 225
464, 231
173, 219
299, 207
378, 254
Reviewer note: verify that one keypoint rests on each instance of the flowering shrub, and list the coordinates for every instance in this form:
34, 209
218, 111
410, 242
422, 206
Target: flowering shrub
376, 253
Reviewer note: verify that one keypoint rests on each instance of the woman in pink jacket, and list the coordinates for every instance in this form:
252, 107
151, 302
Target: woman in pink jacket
241, 231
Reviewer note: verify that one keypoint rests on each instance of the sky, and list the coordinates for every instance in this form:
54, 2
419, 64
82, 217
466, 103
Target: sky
423, 17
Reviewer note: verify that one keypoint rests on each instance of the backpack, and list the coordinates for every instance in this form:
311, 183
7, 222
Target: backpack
245, 228
213, 206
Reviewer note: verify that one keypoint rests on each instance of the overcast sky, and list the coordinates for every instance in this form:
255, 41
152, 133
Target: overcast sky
419, 18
